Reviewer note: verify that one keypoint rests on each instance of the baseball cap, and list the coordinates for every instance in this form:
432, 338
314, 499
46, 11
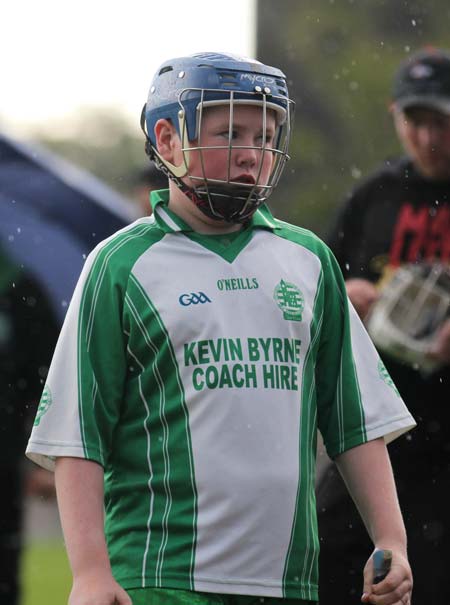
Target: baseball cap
424, 80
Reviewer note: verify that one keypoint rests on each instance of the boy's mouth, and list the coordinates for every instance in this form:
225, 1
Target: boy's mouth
247, 179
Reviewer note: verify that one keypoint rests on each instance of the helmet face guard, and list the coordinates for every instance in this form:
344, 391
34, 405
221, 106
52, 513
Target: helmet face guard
411, 309
239, 83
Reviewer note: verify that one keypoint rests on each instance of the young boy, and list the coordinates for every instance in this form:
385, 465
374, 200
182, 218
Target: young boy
203, 347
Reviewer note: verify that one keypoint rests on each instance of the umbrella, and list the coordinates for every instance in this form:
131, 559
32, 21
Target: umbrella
52, 215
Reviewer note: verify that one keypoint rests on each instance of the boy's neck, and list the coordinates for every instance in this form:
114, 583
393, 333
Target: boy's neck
194, 217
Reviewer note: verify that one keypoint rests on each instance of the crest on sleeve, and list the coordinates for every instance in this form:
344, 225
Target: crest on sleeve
44, 404
385, 377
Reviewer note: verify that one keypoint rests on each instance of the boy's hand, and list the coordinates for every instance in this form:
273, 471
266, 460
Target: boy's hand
98, 589
395, 589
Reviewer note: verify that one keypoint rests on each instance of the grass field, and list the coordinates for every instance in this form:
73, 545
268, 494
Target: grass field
46, 578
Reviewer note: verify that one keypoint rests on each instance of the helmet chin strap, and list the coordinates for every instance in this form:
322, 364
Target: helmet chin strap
219, 201
228, 202
223, 202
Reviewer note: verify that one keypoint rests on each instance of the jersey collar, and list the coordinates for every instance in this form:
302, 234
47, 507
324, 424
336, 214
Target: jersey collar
170, 222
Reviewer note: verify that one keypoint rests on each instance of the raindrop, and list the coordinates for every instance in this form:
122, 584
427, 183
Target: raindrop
22, 384
64, 303
434, 530
433, 426
84, 256
19, 230
10, 238
355, 172
413, 21
43, 371
347, 266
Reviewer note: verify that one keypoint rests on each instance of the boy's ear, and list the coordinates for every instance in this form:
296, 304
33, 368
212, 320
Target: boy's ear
167, 140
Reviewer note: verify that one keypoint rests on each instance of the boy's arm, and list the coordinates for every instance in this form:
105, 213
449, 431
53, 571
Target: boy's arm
79, 488
367, 472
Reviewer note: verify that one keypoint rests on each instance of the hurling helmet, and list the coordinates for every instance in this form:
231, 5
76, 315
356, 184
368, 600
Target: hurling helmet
412, 307
181, 91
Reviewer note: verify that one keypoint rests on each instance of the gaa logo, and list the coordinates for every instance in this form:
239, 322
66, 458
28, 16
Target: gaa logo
193, 299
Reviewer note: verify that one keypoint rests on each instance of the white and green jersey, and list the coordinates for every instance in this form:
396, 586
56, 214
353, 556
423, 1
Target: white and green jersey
196, 371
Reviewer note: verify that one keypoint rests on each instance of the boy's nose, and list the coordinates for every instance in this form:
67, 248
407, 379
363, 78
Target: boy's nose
246, 157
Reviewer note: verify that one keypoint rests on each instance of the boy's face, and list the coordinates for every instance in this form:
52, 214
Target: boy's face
425, 135
247, 162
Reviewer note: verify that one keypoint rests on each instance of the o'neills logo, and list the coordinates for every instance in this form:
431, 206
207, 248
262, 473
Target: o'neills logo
238, 283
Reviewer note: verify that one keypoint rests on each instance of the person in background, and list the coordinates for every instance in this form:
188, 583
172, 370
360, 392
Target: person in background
146, 180
28, 334
400, 215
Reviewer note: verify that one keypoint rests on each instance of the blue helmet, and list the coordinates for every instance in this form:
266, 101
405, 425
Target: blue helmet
179, 92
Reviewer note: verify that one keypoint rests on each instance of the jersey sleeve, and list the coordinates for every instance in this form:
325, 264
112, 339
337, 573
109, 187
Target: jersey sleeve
356, 398
80, 404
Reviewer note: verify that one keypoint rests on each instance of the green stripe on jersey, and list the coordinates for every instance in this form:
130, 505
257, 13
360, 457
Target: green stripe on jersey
115, 310
172, 510
350, 411
99, 308
304, 544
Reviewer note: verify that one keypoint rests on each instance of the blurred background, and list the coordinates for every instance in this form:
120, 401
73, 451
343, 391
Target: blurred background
75, 76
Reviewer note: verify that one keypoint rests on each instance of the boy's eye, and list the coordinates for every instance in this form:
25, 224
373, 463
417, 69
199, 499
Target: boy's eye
226, 134
268, 139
